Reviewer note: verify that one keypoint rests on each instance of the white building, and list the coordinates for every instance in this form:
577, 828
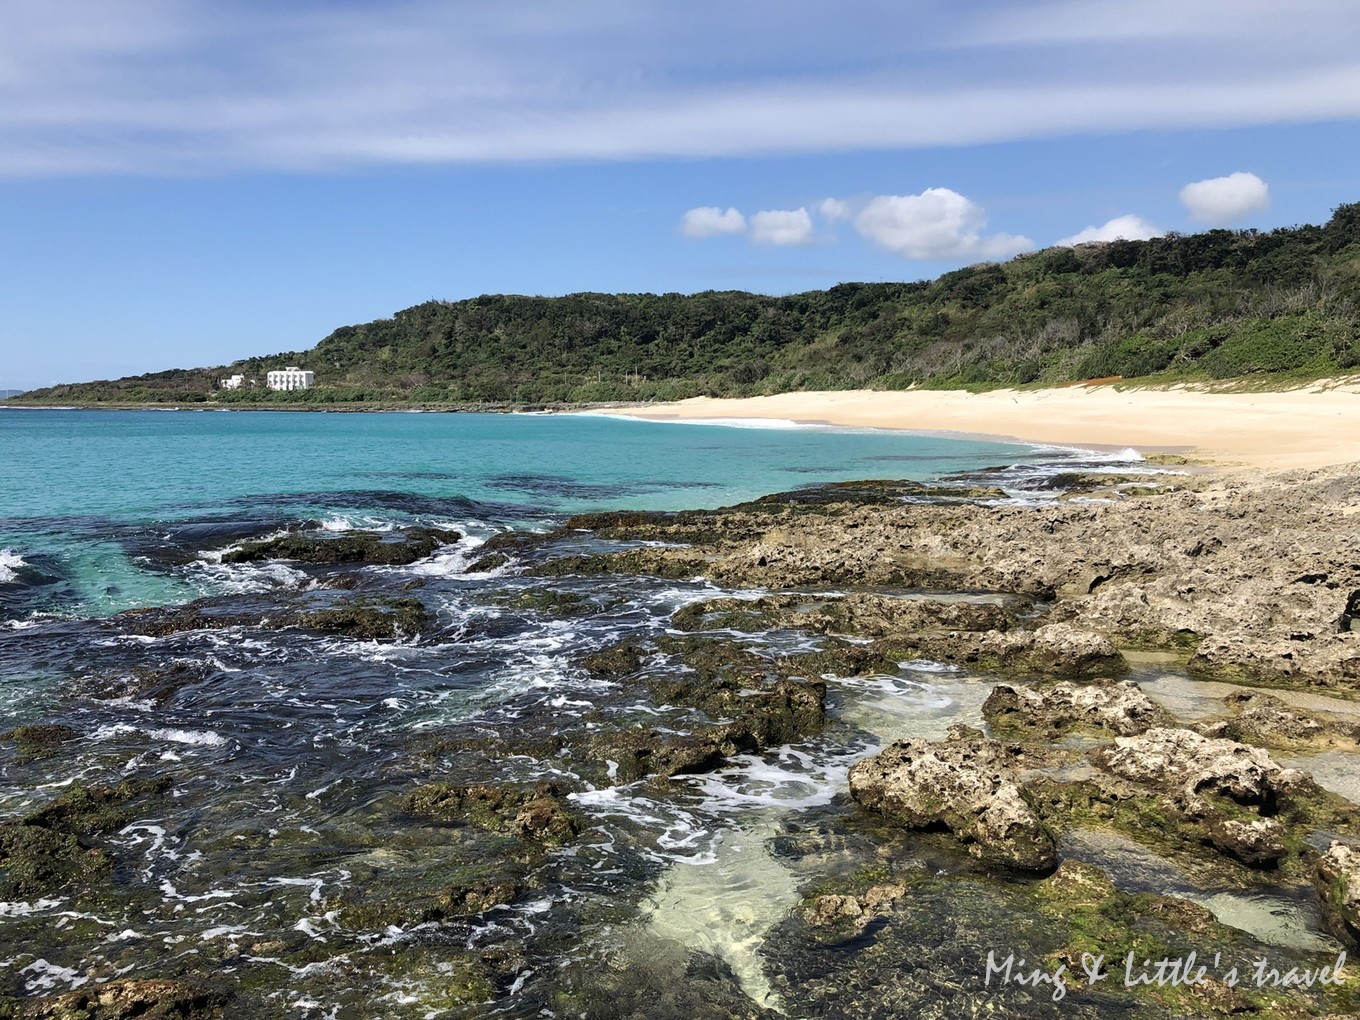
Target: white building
290, 378
233, 382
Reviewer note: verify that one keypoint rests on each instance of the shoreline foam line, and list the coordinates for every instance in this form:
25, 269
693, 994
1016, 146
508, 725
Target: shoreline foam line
1120, 453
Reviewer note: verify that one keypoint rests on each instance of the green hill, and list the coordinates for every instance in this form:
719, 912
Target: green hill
1214, 305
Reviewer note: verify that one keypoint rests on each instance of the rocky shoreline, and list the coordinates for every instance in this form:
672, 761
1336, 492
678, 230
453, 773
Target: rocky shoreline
937, 849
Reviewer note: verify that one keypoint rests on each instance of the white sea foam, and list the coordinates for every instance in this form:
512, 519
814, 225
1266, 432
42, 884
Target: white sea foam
10, 563
787, 779
1128, 455
248, 578
929, 666
450, 560
19, 908
200, 738
340, 522
46, 976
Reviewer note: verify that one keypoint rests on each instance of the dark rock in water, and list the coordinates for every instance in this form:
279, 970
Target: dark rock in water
158, 684
650, 979
642, 752
461, 901
371, 618
491, 561
39, 584
125, 999
872, 492
855, 912
966, 784
1118, 707
174, 544
1337, 880
539, 815
88, 810
655, 561
395, 548
544, 600
618, 661
35, 860
50, 849
201, 614
39, 741
363, 617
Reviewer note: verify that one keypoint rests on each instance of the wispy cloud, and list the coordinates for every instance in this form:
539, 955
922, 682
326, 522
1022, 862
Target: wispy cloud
1127, 228
154, 86
1223, 201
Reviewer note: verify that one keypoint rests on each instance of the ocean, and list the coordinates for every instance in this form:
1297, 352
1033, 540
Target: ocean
227, 797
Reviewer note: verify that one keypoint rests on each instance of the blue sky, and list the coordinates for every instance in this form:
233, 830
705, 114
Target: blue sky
185, 182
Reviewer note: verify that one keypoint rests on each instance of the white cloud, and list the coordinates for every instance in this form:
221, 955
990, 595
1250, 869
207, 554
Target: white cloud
936, 224
710, 221
782, 227
1221, 201
835, 209
1128, 228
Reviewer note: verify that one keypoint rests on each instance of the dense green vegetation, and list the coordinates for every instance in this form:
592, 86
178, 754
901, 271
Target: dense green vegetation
1215, 305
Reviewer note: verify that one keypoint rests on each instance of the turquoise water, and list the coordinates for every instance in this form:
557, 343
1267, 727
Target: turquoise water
82, 486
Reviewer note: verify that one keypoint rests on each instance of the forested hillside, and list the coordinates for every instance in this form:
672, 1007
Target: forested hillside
1212, 305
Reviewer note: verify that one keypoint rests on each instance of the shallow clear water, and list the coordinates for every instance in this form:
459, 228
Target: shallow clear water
83, 488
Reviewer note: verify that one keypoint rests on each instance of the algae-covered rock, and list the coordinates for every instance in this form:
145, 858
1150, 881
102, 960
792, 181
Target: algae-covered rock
459, 901
539, 814
639, 752
852, 912
127, 999
1265, 721
1337, 880
392, 548
35, 860
201, 614
52, 848
765, 716
1236, 798
544, 600
1118, 707
371, 618
40, 740
616, 661
968, 785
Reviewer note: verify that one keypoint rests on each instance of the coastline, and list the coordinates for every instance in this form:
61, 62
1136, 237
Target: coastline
1078, 666
1306, 428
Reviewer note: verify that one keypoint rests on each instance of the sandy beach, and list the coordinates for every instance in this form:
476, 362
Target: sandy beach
1309, 427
